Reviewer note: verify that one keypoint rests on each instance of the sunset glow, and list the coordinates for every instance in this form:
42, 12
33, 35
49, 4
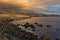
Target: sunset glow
35, 4
25, 3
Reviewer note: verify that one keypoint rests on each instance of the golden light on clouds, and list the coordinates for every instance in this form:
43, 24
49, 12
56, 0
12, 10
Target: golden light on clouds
40, 4
25, 3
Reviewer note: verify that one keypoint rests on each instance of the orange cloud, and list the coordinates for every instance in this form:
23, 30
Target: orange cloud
40, 4
25, 3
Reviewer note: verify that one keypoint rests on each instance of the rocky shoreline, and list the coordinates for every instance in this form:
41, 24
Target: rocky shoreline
12, 32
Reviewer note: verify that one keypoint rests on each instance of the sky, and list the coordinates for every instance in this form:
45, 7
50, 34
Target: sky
37, 6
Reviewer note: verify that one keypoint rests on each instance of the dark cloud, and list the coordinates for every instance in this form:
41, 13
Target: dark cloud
8, 6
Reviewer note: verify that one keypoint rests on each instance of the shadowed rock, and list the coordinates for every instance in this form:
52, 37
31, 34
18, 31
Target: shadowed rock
41, 25
48, 26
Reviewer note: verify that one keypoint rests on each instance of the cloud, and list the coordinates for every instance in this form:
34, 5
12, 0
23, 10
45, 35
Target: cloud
36, 5
9, 7
31, 3
53, 8
26, 3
